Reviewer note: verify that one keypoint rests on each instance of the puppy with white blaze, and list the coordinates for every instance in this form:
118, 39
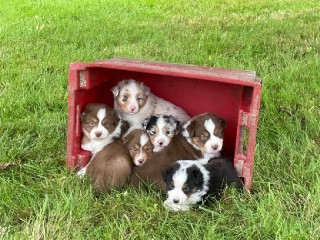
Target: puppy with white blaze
190, 182
98, 127
161, 129
111, 164
134, 103
208, 138
139, 145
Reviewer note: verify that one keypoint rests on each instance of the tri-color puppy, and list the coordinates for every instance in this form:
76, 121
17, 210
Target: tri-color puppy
161, 129
190, 182
134, 102
202, 136
111, 163
139, 145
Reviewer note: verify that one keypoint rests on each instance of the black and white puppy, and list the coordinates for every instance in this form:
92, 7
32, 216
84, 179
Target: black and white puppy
161, 129
189, 182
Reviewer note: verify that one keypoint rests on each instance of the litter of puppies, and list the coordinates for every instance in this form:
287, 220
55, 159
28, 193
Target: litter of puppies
146, 140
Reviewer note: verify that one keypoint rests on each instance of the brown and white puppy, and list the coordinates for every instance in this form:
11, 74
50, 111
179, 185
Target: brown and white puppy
134, 103
98, 127
201, 137
139, 145
161, 129
206, 134
111, 164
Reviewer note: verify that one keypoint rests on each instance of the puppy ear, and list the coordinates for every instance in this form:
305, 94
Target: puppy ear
223, 123
126, 139
196, 175
115, 90
146, 122
177, 125
82, 116
116, 118
166, 174
145, 89
191, 128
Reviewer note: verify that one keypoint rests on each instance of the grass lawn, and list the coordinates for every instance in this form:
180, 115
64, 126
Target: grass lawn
40, 199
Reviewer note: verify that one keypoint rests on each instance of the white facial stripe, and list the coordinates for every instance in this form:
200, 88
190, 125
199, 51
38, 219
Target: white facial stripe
210, 126
143, 140
180, 177
101, 115
213, 140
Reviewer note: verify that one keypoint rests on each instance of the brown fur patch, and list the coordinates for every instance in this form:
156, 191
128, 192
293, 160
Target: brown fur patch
132, 143
90, 120
199, 134
110, 167
125, 96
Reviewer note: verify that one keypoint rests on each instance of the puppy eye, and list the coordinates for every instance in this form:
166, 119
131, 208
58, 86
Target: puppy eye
133, 149
168, 132
219, 134
139, 99
170, 186
186, 189
203, 137
91, 123
124, 98
151, 133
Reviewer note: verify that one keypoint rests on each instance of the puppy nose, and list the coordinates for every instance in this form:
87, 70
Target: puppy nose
215, 147
132, 109
140, 160
160, 142
176, 200
98, 134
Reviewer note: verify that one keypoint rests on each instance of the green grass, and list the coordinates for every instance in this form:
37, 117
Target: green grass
40, 199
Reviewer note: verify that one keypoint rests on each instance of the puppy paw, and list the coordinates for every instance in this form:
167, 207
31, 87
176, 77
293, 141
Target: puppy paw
157, 149
175, 207
82, 172
86, 147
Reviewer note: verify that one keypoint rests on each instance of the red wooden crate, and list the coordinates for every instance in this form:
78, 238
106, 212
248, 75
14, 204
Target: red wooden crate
232, 94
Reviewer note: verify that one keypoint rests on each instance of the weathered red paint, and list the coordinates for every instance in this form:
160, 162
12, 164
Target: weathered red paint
232, 94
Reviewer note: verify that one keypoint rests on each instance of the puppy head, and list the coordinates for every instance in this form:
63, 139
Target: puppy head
205, 132
186, 182
161, 129
139, 146
130, 95
98, 121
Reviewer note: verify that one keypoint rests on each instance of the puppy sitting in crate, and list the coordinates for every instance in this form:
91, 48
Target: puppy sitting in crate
139, 145
111, 163
134, 103
200, 137
161, 129
190, 182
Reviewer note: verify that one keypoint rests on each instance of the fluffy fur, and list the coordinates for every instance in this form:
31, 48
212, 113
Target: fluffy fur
161, 129
188, 144
139, 145
111, 164
134, 103
206, 134
100, 124
190, 182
